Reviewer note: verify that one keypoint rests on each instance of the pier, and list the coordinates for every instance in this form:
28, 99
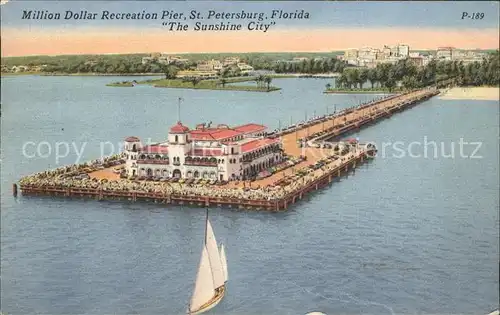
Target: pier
318, 167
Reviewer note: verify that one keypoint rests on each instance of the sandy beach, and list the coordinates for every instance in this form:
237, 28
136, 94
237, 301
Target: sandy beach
471, 93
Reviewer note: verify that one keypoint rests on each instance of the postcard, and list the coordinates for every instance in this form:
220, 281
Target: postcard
249, 157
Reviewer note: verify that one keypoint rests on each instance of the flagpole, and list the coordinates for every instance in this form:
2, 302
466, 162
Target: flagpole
179, 109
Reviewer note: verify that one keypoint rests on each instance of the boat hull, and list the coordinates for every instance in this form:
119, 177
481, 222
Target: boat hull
212, 303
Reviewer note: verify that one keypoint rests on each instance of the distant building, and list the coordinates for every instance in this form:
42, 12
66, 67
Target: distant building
427, 59
244, 67
351, 54
19, 68
417, 61
228, 61
394, 51
403, 51
197, 74
445, 53
41, 67
176, 59
163, 60
146, 60
386, 52
210, 65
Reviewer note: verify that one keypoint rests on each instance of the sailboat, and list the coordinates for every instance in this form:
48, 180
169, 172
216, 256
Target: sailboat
210, 285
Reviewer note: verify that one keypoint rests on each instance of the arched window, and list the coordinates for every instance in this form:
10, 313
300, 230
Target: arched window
232, 150
176, 138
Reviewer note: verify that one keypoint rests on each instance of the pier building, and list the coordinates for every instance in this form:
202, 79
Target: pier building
222, 153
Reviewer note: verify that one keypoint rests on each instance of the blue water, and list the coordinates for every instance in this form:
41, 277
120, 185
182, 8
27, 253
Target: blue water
409, 235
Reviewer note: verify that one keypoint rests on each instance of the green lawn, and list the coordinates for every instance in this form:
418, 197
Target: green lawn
204, 84
121, 84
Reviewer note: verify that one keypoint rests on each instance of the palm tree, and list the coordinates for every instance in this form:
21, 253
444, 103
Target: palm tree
363, 77
352, 77
223, 82
170, 72
341, 81
371, 76
259, 80
268, 81
195, 80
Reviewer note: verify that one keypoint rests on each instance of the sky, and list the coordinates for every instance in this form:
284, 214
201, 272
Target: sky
331, 26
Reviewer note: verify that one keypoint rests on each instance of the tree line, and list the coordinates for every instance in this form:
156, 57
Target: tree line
409, 76
404, 73
311, 66
132, 63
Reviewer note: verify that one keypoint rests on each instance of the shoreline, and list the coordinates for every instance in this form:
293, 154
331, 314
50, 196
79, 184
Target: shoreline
100, 74
483, 93
240, 88
91, 74
45, 74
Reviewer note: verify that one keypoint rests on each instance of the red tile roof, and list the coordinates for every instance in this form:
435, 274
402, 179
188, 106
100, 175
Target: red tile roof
223, 132
250, 128
132, 139
179, 128
213, 134
258, 143
155, 148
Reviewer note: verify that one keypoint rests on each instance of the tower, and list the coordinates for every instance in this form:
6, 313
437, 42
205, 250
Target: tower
132, 147
232, 164
179, 145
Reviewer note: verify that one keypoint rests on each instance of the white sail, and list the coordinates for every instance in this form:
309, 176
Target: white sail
223, 261
203, 288
214, 256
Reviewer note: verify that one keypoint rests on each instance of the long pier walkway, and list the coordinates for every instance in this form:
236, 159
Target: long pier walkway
276, 192
340, 124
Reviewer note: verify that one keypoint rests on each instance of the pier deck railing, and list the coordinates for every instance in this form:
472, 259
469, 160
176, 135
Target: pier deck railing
270, 203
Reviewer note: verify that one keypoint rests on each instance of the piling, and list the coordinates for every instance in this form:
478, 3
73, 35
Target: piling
270, 203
